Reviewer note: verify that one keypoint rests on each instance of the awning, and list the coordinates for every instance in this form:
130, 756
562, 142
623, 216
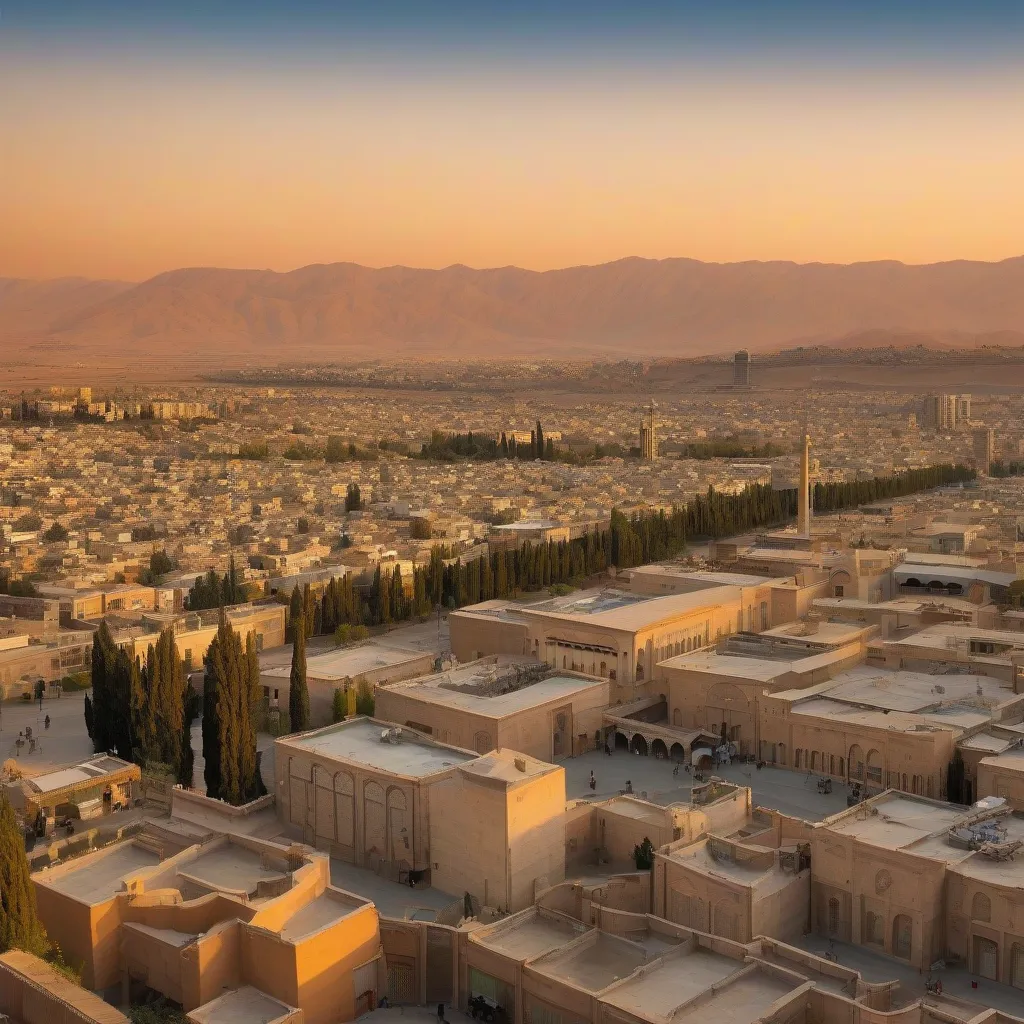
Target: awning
700, 752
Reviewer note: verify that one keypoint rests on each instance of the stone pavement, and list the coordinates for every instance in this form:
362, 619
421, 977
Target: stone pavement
956, 981
66, 740
786, 791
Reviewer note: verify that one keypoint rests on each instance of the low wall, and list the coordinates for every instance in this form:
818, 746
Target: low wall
32, 992
182, 800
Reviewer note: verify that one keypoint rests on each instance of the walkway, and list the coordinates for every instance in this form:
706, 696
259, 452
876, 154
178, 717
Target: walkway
788, 792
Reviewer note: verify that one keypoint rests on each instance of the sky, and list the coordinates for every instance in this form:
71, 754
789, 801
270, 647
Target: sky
141, 137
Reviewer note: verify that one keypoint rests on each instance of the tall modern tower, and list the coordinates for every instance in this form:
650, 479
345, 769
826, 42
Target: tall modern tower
648, 436
803, 503
741, 369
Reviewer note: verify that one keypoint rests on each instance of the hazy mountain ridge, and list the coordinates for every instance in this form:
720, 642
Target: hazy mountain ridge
675, 307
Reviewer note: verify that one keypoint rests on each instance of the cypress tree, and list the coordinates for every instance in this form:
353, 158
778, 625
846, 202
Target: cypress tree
88, 716
104, 655
229, 731
294, 610
298, 691
539, 441
19, 925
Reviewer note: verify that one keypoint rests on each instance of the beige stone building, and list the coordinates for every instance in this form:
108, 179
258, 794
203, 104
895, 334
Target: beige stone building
732, 888
728, 684
514, 703
361, 791
615, 634
885, 729
367, 664
193, 920
921, 880
497, 829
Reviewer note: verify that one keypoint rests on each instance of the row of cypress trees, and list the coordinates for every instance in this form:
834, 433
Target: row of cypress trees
232, 705
628, 541
143, 712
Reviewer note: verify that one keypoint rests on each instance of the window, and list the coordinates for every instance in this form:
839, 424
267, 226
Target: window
833, 916
764, 614
981, 908
838, 590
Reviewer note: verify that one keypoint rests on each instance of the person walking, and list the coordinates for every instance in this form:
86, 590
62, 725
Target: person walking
593, 782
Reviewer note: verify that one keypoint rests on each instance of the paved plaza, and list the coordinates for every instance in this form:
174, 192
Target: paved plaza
64, 742
789, 792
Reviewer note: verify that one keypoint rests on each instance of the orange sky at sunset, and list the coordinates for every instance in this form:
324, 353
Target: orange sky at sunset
123, 170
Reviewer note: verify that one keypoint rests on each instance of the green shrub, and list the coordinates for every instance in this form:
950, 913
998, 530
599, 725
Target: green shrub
75, 682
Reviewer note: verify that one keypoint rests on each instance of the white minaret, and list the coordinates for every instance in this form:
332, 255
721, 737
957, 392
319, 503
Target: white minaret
803, 514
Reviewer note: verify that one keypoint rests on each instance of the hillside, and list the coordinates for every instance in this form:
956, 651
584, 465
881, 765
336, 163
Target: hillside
675, 307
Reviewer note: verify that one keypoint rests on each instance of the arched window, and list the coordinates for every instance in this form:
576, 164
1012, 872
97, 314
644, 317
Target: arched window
981, 908
856, 762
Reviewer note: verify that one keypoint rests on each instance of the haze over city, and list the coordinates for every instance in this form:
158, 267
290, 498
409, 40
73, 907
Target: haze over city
511, 512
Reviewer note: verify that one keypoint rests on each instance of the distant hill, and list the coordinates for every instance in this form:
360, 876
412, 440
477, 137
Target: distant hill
635, 307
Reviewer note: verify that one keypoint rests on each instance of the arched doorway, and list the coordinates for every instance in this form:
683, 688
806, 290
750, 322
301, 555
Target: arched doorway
677, 753
638, 744
902, 936
856, 763
658, 749
621, 741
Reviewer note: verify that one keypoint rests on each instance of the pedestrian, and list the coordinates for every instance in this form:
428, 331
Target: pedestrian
607, 749
593, 782
629, 786
440, 1013
46, 721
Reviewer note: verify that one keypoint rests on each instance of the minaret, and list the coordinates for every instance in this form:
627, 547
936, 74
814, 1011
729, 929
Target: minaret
803, 515
648, 438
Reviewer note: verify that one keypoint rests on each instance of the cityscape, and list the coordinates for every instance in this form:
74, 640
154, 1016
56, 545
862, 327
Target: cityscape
510, 516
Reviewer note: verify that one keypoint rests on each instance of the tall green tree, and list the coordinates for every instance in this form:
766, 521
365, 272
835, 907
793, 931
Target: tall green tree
296, 609
19, 925
229, 734
167, 690
298, 691
104, 706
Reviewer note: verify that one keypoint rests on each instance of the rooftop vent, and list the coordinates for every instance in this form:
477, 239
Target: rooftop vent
520, 763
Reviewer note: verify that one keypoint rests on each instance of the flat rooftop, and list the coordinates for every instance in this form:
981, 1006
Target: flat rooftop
742, 1001
894, 820
229, 867
750, 666
952, 636
594, 965
98, 877
509, 766
439, 689
359, 741
350, 662
94, 771
676, 980
840, 713
703, 576
530, 934
619, 609
825, 633
899, 690
327, 909
765, 879
246, 1005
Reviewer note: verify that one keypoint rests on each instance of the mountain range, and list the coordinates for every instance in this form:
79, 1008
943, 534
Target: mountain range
636, 307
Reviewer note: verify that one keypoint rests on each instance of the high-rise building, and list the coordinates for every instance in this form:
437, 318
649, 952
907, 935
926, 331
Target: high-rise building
984, 450
648, 436
946, 412
741, 369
